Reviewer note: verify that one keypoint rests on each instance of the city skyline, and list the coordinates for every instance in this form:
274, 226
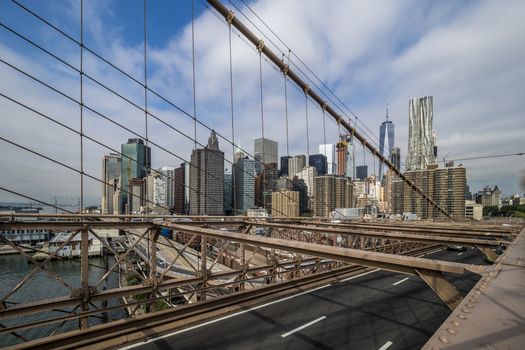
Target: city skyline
465, 115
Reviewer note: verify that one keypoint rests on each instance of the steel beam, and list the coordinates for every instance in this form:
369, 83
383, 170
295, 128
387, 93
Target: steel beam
392, 226
396, 263
443, 288
401, 236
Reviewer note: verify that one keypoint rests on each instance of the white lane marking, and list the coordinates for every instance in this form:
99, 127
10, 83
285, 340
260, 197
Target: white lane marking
398, 282
386, 345
363, 274
460, 253
238, 313
224, 317
284, 335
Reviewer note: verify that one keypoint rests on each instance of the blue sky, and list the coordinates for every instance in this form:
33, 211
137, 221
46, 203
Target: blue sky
464, 53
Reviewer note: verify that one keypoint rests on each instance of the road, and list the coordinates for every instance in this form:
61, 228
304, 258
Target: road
376, 310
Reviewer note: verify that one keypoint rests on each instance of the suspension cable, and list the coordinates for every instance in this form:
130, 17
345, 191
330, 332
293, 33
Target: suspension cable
285, 72
102, 85
307, 133
81, 106
193, 72
261, 90
234, 187
147, 156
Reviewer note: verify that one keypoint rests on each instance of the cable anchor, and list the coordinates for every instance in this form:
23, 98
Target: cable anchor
260, 46
231, 16
285, 69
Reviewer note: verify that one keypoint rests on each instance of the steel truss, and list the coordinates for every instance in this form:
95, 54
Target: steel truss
221, 259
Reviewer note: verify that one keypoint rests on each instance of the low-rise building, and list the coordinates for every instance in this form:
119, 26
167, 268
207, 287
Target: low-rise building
473, 210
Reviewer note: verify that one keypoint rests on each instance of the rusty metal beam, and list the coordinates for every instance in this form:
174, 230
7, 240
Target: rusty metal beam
104, 295
392, 226
397, 263
71, 225
443, 288
401, 236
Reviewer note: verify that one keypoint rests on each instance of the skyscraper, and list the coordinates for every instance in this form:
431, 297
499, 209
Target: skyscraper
268, 184
135, 164
386, 141
284, 165
180, 198
265, 152
421, 138
168, 175
329, 151
361, 172
228, 193
395, 157
296, 164
285, 204
445, 186
319, 162
244, 173
207, 179
342, 150
110, 174
331, 192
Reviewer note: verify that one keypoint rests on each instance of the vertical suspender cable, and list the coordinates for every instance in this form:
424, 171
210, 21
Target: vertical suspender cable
286, 114
190, 204
193, 72
374, 160
286, 104
307, 135
234, 187
81, 106
261, 88
147, 161
324, 134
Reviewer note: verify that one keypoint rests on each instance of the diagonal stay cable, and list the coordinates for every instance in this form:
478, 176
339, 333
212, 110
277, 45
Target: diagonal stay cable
97, 142
118, 124
100, 57
115, 93
110, 90
105, 117
299, 59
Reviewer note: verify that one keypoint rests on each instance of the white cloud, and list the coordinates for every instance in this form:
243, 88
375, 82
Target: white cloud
468, 56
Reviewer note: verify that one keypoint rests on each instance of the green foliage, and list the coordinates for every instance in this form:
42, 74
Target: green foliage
161, 305
505, 211
133, 279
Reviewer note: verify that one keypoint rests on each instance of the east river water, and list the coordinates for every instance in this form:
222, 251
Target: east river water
13, 268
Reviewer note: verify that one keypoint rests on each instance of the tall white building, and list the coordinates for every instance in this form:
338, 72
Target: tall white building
295, 165
421, 137
111, 164
244, 174
308, 174
265, 151
328, 150
159, 190
168, 173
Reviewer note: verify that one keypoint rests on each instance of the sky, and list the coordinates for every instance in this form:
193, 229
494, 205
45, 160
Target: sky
468, 55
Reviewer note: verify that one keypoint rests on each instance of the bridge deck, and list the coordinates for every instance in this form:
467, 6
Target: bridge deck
492, 316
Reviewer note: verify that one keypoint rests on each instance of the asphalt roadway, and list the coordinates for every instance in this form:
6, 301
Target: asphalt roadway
376, 310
